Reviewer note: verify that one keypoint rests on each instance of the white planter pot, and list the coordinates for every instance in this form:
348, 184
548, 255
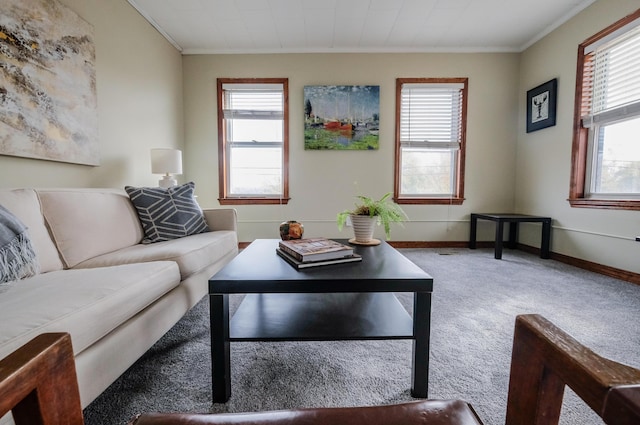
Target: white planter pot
363, 226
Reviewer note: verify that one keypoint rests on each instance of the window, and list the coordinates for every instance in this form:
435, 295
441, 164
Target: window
253, 141
606, 149
430, 140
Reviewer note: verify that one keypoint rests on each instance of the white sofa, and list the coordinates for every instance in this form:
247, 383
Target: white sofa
114, 295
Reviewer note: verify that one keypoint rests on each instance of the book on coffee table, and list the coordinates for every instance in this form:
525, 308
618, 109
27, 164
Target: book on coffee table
315, 249
303, 265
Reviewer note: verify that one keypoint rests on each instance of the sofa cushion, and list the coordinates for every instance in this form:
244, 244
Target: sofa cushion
167, 213
24, 204
89, 222
192, 254
17, 257
87, 303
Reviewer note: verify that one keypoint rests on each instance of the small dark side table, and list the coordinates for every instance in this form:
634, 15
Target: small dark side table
514, 220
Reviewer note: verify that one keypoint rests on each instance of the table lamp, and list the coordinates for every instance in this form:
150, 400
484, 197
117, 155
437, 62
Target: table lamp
166, 161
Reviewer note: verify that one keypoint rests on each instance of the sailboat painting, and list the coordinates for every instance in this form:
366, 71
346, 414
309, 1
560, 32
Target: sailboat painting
341, 117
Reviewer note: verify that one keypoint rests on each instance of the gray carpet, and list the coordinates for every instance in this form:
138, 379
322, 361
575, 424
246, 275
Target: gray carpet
475, 301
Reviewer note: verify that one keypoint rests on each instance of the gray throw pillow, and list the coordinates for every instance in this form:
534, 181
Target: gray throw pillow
17, 256
167, 214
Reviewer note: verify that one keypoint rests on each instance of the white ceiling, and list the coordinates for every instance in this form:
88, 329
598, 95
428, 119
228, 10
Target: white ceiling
299, 26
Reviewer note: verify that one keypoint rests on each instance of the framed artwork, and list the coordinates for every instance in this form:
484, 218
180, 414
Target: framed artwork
48, 105
341, 117
541, 106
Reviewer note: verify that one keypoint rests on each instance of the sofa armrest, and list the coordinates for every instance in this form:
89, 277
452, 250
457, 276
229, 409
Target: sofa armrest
221, 219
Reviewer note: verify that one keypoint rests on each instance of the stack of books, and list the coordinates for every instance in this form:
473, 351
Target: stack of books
313, 252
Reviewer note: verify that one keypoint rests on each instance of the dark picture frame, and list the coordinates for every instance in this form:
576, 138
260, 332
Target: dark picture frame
541, 106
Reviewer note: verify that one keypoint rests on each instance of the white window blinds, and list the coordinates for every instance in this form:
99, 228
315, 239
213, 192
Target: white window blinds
260, 101
253, 113
431, 115
611, 82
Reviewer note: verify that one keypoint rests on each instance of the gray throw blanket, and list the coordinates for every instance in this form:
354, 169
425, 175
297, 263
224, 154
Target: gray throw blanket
17, 257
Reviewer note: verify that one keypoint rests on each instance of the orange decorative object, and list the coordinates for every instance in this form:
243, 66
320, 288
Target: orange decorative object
291, 230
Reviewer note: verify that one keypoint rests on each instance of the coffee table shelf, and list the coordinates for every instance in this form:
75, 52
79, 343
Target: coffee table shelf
320, 317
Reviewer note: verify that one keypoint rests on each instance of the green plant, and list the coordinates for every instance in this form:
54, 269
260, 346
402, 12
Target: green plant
386, 211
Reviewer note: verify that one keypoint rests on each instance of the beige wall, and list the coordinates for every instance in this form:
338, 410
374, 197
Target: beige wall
140, 106
544, 157
322, 183
139, 89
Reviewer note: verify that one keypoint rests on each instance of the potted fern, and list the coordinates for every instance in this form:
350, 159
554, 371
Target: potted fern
369, 212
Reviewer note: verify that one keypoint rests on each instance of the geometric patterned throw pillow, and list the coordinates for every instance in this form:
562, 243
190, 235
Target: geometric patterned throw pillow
169, 213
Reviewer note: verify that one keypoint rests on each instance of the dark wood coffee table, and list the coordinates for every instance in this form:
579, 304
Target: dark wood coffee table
352, 301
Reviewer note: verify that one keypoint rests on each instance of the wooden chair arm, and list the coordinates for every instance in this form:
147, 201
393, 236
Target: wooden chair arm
545, 359
38, 383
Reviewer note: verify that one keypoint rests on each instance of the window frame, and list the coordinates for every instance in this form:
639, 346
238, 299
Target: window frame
223, 161
581, 146
456, 198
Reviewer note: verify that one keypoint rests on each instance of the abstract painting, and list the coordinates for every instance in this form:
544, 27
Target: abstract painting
341, 117
48, 105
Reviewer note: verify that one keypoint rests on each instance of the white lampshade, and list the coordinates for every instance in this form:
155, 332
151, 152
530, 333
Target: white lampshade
166, 161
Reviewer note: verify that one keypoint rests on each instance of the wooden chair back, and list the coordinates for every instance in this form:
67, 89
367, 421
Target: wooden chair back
38, 384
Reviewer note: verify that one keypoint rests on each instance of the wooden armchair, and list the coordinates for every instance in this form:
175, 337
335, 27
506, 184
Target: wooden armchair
38, 383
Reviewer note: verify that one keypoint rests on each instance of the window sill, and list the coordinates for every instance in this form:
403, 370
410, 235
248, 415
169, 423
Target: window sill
429, 201
611, 204
253, 201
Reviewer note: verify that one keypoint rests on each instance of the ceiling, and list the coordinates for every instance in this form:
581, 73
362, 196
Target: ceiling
312, 26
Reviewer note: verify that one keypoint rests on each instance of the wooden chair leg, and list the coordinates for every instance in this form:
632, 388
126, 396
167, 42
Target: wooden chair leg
38, 383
